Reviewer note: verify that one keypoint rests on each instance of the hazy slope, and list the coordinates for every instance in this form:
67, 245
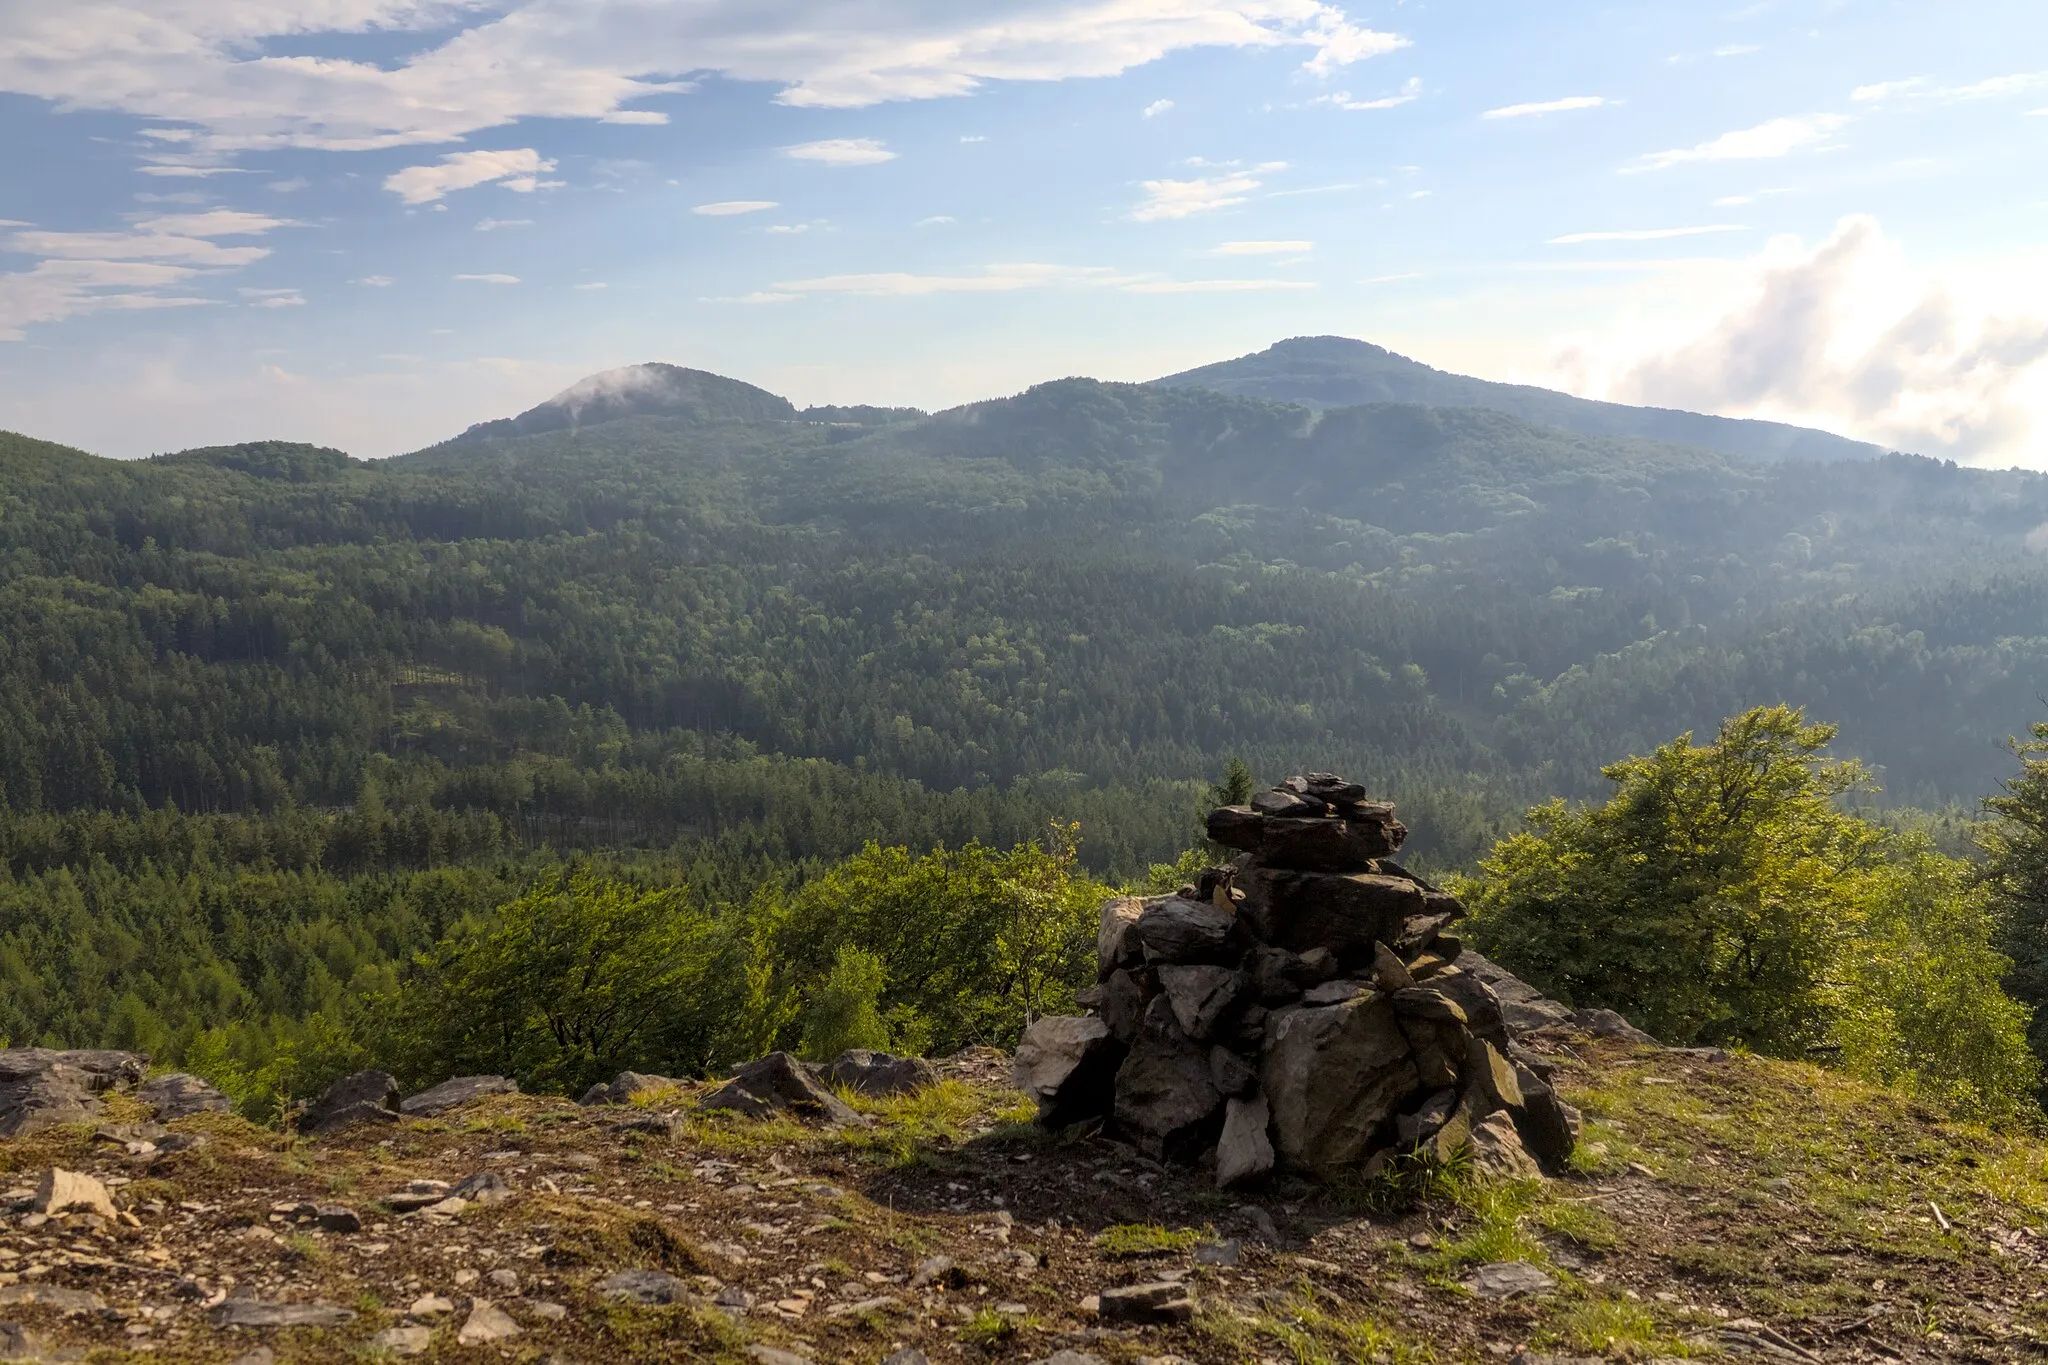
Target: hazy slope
1337, 372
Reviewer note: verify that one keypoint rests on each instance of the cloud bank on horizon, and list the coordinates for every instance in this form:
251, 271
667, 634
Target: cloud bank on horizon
230, 219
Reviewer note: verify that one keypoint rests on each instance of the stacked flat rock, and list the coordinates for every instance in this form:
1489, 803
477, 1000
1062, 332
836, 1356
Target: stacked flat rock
1305, 1007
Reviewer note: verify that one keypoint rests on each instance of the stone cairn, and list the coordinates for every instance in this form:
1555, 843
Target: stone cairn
1305, 1007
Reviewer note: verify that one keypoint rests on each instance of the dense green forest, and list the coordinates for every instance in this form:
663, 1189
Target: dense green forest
274, 720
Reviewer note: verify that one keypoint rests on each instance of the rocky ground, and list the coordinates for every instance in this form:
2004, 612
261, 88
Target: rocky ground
1717, 1205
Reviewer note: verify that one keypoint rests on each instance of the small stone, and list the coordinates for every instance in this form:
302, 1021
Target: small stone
931, 1271
403, 1341
1245, 1152
877, 1073
1535, 1358
909, 1355
769, 1355
1508, 1280
262, 1355
644, 1287
430, 1306
69, 1302
467, 1276
1497, 1149
1068, 1064
487, 1323
1163, 1301
60, 1190
1262, 1223
485, 1187
547, 1312
1225, 1252
367, 1096
179, 1095
335, 1218
1071, 1357
1389, 972
257, 1313
779, 1082
507, 1280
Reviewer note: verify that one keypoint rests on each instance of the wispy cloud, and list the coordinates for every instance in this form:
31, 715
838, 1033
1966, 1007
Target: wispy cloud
842, 151
1542, 107
489, 279
273, 298
1644, 234
1156, 108
1409, 92
1779, 137
501, 224
519, 169
732, 208
1262, 249
1920, 90
1393, 279
994, 279
1217, 286
376, 281
1168, 200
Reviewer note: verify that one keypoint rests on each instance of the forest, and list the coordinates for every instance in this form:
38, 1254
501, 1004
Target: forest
281, 730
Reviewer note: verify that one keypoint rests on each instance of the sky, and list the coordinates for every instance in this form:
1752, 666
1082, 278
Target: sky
372, 223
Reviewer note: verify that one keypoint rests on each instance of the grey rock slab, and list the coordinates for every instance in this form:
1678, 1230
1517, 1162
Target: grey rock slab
1122, 1000
454, 1093
1244, 1152
1497, 1149
179, 1095
485, 1187
18, 1343
1114, 947
487, 1323
367, 1096
338, 1218
262, 1355
772, 1355
1226, 1252
1067, 1356
1068, 1065
1508, 1280
1164, 1301
644, 1287
1231, 1074
1334, 1076
932, 1270
42, 1088
51, 1296
1183, 931
1334, 992
775, 1083
1608, 1024
878, 1073
403, 1341
909, 1355
1200, 995
259, 1313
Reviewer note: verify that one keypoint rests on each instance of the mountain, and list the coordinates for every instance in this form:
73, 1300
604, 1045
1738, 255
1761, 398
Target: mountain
642, 390
1337, 372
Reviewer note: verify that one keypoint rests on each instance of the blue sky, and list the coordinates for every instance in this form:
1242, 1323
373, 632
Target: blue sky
371, 223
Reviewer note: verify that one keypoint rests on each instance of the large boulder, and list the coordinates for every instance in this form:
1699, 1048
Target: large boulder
1183, 931
628, 1086
1336, 1075
43, 1088
1317, 844
779, 1082
1165, 1095
454, 1093
1122, 1000
1069, 1066
1348, 912
1476, 998
1522, 1006
178, 1095
878, 1073
366, 1097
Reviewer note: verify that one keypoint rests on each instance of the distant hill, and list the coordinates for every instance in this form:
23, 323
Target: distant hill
1337, 372
638, 391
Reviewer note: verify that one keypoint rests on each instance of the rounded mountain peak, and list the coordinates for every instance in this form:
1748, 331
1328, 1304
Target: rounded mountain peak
645, 390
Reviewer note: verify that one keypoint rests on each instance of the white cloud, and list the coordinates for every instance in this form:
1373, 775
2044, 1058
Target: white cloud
518, 169
376, 281
1779, 137
1848, 335
1921, 91
994, 279
842, 151
54, 290
788, 229
1393, 279
1558, 106
1156, 108
643, 118
1737, 50
1644, 234
489, 279
291, 186
973, 138
1215, 286
1262, 249
937, 220
209, 68
1411, 91
593, 286
273, 298
500, 224
732, 208
1167, 200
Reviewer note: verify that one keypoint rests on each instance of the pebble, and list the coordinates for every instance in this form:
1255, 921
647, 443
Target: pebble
487, 1323
430, 1305
1509, 1279
403, 1341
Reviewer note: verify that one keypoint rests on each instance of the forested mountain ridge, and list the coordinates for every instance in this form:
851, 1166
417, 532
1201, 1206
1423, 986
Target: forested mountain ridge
1337, 372
1104, 583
